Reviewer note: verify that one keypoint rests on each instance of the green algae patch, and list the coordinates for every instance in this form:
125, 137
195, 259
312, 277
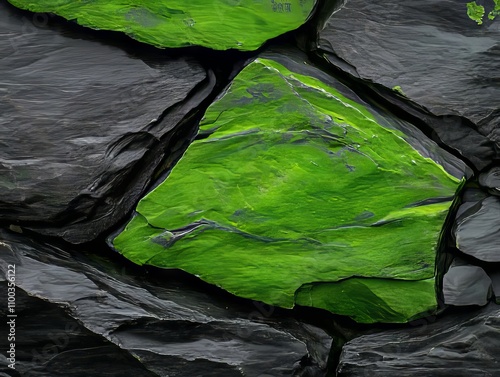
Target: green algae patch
475, 12
216, 24
299, 194
495, 11
398, 89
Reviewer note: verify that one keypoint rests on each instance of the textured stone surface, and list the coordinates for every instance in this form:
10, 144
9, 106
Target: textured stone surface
491, 180
78, 118
148, 327
431, 53
217, 24
49, 343
79, 143
465, 284
298, 174
477, 230
457, 345
495, 284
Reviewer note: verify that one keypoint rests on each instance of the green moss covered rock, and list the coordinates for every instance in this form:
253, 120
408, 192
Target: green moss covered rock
299, 193
217, 24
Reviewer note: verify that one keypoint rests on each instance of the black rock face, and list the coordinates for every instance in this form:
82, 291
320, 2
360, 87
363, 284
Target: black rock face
83, 125
477, 229
466, 284
464, 344
73, 310
51, 343
431, 53
491, 180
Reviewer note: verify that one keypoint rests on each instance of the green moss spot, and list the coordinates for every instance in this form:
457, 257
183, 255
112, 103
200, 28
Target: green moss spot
496, 10
398, 89
475, 12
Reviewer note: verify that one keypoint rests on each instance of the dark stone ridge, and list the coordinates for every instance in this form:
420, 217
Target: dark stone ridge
148, 327
458, 345
477, 229
51, 343
495, 283
491, 180
433, 59
465, 284
83, 125
473, 195
470, 197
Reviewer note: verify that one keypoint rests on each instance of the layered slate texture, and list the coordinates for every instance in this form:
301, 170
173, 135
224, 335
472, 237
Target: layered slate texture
217, 24
94, 314
77, 119
296, 192
433, 54
477, 230
461, 344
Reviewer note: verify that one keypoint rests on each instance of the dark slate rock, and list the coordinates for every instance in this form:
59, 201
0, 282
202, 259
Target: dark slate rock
477, 230
459, 345
432, 54
473, 195
491, 180
465, 284
83, 124
464, 207
51, 343
150, 327
495, 281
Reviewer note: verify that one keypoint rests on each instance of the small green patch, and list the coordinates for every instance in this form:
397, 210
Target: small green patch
496, 11
475, 12
398, 89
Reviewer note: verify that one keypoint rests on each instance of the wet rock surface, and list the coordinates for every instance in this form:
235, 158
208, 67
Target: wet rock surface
472, 278
52, 343
83, 125
460, 344
477, 229
75, 309
491, 180
495, 284
90, 120
466, 284
432, 54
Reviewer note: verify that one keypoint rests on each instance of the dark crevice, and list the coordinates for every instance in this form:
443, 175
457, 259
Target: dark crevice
430, 201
